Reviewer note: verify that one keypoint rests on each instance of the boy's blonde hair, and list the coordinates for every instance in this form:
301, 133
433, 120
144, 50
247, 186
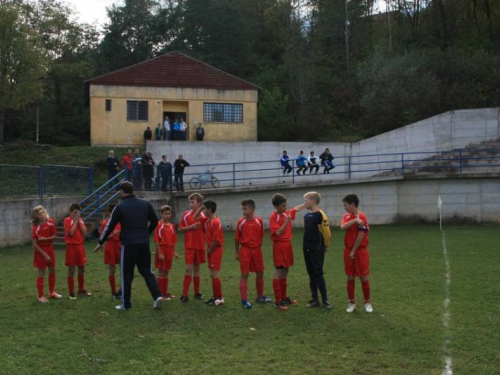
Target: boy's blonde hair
165, 208
35, 220
196, 197
316, 197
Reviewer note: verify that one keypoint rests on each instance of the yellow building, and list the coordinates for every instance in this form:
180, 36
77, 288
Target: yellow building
125, 102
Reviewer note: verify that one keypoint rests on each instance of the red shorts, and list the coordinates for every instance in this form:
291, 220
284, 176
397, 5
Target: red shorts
251, 260
168, 254
195, 256
112, 253
40, 262
282, 254
360, 265
75, 256
215, 259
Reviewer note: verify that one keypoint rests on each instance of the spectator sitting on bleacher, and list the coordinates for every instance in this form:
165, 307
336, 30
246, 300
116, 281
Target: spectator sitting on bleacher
301, 163
285, 163
312, 161
327, 161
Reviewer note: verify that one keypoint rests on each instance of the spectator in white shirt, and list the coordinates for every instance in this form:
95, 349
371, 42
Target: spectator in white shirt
166, 129
183, 130
313, 162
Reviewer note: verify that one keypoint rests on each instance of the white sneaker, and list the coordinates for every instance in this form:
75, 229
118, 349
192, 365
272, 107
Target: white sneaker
350, 307
368, 308
121, 307
219, 302
157, 303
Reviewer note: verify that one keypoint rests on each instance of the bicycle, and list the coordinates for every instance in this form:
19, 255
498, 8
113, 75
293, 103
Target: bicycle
203, 179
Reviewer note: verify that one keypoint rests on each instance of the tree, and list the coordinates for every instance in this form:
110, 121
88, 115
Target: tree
23, 62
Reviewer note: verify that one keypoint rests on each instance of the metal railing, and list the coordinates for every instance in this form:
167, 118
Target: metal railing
43, 180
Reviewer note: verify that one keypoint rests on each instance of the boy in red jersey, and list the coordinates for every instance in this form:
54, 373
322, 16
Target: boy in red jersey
215, 240
42, 235
74, 236
356, 257
280, 226
248, 241
165, 239
194, 245
112, 252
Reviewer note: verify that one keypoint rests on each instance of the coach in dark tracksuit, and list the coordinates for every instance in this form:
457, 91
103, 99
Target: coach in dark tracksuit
134, 214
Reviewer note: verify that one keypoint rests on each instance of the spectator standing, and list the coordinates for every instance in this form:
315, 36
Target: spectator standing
200, 132
148, 135
148, 169
285, 163
167, 128
165, 172
128, 165
113, 165
158, 133
183, 130
177, 130
313, 162
179, 166
301, 163
327, 161
137, 159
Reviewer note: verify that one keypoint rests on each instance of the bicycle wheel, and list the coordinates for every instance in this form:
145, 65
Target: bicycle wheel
195, 183
215, 182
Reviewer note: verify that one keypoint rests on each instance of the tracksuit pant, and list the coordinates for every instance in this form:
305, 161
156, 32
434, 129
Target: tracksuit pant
314, 258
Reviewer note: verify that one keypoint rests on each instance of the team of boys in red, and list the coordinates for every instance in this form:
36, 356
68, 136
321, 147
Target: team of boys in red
112, 252
165, 238
215, 250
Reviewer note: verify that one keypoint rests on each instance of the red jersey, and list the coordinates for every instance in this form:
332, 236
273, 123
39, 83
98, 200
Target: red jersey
47, 229
193, 239
276, 221
352, 233
117, 228
213, 230
165, 234
127, 162
250, 232
77, 237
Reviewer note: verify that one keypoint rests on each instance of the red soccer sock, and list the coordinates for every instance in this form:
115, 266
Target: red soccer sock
112, 283
283, 288
165, 285
366, 290
244, 289
71, 285
350, 290
217, 289
277, 290
196, 281
39, 285
187, 283
161, 285
259, 283
52, 282
81, 282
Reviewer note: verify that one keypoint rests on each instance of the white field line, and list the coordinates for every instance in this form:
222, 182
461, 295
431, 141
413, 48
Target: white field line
448, 366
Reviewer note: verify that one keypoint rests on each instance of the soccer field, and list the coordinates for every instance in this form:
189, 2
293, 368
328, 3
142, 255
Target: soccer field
404, 335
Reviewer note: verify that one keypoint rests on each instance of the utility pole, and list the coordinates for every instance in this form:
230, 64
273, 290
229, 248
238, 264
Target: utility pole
346, 32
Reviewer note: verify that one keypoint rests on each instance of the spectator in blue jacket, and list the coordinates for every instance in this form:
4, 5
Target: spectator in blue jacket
177, 130
327, 161
301, 163
285, 163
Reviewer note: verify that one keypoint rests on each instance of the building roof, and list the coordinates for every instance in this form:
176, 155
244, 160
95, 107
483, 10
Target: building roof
173, 69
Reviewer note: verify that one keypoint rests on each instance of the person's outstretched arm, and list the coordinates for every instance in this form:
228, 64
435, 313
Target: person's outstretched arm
152, 218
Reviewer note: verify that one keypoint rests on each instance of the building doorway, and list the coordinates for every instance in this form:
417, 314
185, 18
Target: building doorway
176, 116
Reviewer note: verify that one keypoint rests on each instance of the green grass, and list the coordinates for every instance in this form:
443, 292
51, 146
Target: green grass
404, 335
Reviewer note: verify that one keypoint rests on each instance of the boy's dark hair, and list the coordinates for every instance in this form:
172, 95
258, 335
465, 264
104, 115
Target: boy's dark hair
111, 207
248, 202
351, 198
284, 151
278, 199
127, 187
165, 208
210, 205
74, 206
196, 197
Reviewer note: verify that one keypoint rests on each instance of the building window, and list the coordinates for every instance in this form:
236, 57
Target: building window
222, 113
108, 105
137, 111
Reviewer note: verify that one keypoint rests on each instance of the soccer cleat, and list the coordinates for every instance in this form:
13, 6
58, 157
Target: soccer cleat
327, 305
350, 307
83, 292
117, 295
198, 296
247, 305
219, 301
184, 299
368, 307
55, 295
288, 301
157, 303
281, 306
168, 297
122, 307
263, 299
313, 303
211, 301
42, 299
72, 296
